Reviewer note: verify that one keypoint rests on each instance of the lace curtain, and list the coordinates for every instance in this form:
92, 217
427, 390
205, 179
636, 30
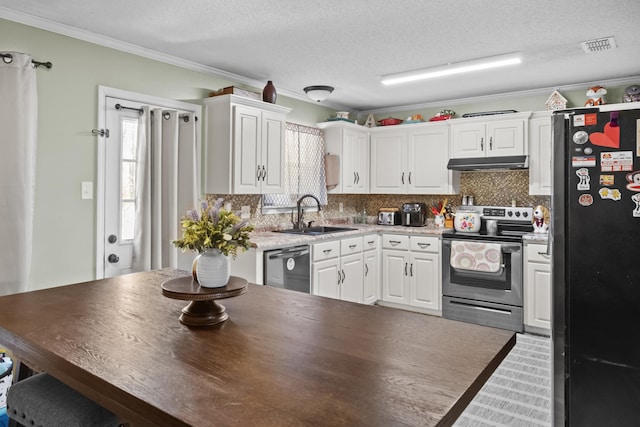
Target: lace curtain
304, 167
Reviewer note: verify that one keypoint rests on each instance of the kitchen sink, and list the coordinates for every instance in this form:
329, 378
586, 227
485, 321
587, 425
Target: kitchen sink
314, 231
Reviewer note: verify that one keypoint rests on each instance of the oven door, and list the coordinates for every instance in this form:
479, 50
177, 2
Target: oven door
501, 287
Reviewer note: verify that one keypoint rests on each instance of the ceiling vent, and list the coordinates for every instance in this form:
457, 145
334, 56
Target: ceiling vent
598, 45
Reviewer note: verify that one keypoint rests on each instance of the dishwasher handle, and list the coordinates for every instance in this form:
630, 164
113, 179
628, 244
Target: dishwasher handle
290, 252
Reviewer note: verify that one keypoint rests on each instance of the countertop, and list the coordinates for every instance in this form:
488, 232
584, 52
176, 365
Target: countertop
283, 358
273, 239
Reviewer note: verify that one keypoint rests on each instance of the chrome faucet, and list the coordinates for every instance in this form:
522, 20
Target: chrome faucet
299, 224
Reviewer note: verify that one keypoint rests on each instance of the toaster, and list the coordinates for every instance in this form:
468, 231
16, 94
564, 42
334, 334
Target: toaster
414, 214
389, 217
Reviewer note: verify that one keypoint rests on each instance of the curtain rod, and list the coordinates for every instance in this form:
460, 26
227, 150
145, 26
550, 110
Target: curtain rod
7, 57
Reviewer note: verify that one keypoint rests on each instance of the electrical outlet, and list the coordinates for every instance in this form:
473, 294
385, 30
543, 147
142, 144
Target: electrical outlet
245, 212
341, 207
87, 190
227, 206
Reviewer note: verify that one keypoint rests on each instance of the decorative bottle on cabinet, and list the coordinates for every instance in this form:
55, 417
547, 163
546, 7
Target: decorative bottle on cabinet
269, 93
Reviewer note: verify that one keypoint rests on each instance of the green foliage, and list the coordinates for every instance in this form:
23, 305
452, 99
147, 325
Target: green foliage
215, 228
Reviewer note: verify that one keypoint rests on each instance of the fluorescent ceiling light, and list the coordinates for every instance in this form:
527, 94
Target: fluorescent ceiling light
451, 69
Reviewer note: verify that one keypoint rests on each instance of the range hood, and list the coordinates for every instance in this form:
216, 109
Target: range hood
489, 163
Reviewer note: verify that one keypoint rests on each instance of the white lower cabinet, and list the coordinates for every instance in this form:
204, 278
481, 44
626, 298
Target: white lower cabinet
337, 269
537, 288
371, 256
411, 271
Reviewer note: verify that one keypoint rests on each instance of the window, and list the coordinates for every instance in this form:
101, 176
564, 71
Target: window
304, 164
128, 178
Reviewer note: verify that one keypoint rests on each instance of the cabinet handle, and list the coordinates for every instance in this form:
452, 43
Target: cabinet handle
326, 251
481, 144
354, 178
352, 246
258, 173
264, 172
409, 177
405, 268
371, 242
343, 276
339, 277
358, 178
402, 177
490, 143
544, 254
424, 245
366, 270
411, 270
394, 242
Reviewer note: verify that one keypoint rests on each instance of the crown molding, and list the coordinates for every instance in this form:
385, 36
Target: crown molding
88, 36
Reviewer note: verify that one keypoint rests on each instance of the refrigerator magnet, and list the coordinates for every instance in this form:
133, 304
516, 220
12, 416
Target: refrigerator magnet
616, 161
607, 180
610, 193
636, 199
584, 179
580, 137
634, 181
583, 161
585, 199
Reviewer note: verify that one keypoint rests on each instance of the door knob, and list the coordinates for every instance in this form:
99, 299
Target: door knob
112, 238
113, 258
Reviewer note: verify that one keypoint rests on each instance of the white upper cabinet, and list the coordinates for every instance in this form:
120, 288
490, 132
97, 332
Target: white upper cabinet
488, 136
350, 143
244, 146
540, 148
412, 159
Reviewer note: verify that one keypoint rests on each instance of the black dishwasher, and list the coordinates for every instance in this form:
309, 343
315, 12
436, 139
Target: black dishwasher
288, 268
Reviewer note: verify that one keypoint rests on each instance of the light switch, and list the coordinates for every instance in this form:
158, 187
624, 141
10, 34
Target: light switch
87, 190
245, 212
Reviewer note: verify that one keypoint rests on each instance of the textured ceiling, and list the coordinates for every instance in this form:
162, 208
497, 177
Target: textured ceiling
349, 44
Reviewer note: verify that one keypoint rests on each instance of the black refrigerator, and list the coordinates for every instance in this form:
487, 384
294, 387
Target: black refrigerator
595, 234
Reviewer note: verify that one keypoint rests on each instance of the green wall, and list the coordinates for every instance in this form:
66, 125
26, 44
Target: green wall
65, 225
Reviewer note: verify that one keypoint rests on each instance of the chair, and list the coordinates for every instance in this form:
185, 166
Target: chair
42, 400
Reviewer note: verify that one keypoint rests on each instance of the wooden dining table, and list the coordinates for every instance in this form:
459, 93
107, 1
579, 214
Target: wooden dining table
283, 358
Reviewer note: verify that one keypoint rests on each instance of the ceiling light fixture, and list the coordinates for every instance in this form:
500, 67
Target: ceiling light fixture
318, 93
451, 69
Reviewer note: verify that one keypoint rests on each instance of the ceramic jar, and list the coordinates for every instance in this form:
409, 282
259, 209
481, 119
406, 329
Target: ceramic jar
269, 93
211, 269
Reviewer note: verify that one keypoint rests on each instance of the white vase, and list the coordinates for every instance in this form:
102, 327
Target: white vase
211, 269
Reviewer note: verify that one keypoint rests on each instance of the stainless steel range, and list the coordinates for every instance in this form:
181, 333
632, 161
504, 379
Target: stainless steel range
482, 271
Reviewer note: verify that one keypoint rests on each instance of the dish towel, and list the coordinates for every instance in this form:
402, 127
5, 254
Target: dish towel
486, 257
332, 170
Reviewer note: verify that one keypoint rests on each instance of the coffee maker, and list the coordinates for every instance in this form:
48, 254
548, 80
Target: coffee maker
414, 214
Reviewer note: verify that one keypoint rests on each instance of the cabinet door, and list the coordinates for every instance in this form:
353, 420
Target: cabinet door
371, 277
468, 140
352, 270
361, 162
326, 277
388, 174
424, 278
272, 165
537, 288
395, 268
540, 156
505, 138
247, 150
427, 157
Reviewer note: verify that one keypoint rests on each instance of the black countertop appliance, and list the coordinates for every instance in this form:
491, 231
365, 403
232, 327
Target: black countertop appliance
414, 214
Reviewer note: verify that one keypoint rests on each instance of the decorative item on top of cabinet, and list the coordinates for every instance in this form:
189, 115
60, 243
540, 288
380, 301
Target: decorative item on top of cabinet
244, 146
269, 93
556, 101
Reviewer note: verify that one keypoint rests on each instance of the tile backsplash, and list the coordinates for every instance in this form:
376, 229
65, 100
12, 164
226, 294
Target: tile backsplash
487, 188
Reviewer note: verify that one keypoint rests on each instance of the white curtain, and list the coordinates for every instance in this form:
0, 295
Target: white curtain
18, 142
168, 185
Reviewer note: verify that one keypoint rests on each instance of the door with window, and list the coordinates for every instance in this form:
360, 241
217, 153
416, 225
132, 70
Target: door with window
120, 184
